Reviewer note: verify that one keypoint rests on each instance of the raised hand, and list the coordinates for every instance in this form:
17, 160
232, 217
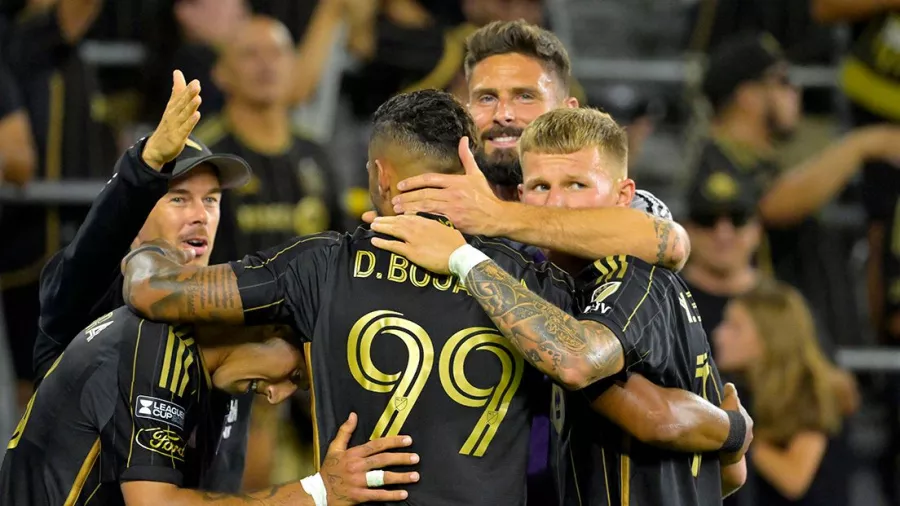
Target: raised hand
344, 471
467, 200
731, 402
177, 123
425, 242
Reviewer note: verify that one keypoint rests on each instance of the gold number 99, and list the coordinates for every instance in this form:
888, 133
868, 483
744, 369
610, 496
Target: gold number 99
406, 385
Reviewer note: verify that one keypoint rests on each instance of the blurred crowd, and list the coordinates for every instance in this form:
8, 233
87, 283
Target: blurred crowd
771, 178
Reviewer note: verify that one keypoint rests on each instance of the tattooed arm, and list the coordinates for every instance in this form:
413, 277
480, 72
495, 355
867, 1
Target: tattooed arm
598, 232
159, 287
572, 352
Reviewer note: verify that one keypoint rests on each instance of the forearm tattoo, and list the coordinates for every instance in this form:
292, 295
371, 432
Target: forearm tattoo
161, 289
668, 241
551, 340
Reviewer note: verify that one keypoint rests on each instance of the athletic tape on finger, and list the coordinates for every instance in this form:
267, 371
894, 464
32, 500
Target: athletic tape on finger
375, 478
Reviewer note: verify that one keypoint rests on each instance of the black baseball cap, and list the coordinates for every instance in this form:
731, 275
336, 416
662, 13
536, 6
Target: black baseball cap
742, 58
721, 192
233, 171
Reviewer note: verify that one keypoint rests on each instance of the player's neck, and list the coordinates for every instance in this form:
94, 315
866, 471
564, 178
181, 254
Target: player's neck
214, 356
266, 130
723, 284
745, 132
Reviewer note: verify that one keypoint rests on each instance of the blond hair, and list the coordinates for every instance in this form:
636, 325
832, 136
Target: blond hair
519, 37
565, 131
791, 384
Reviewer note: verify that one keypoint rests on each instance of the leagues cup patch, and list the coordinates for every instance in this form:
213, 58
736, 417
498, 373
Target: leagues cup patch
162, 441
159, 410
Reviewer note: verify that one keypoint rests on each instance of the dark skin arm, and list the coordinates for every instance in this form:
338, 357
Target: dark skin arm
573, 353
669, 418
160, 288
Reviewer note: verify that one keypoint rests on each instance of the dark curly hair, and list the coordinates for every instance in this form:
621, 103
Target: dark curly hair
427, 124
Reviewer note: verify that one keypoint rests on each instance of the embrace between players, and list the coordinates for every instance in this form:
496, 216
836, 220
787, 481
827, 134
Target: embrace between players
411, 329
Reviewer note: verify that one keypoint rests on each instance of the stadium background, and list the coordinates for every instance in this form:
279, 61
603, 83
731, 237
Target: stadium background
641, 60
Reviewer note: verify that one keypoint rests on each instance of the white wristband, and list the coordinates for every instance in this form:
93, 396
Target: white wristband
315, 487
463, 259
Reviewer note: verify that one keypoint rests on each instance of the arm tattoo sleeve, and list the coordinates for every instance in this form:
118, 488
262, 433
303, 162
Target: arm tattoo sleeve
572, 352
162, 289
668, 243
663, 229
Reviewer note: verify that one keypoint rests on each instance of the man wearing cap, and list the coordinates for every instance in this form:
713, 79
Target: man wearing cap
755, 106
725, 231
174, 183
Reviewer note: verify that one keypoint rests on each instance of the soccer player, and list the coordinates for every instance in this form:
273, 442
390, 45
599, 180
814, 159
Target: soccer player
403, 347
119, 416
635, 318
166, 185
515, 72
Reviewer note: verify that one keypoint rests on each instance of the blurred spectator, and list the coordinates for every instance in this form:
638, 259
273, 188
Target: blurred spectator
409, 49
17, 153
755, 106
871, 81
292, 191
633, 110
206, 27
768, 340
725, 233
58, 89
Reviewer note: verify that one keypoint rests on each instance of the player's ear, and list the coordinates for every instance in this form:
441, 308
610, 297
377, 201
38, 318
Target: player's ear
571, 102
384, 178
626, 193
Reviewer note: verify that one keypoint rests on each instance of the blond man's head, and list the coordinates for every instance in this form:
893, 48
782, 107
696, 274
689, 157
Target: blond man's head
575, 158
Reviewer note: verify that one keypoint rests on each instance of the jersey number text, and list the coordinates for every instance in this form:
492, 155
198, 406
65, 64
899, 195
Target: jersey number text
406, 385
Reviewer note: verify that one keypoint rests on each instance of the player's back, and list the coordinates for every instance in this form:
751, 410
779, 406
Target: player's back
412, 353
598, 464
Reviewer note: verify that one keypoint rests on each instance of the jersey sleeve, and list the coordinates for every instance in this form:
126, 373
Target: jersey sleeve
626, 295
540, 276
284, 284
158, 384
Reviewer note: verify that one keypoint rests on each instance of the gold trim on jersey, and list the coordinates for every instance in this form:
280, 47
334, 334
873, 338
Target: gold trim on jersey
83, 473
611, 267
575, 479
638, 306
625, 472
137, 345
605, 476
317, 453
179, 362
292, 246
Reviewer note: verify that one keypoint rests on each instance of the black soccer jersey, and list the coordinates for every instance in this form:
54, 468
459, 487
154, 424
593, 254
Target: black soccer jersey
411, 353
652, 313
291, 192
120, 404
